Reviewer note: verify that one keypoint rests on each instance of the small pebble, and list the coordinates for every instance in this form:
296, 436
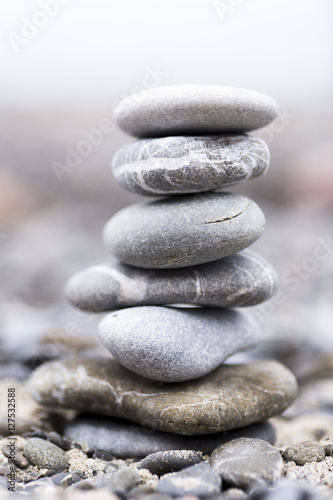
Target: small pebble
200, 480
45, 454
302, 453
65, 479
45, 483
163, 462
328, 450
247, 462
233, 494
103, 455
63, 443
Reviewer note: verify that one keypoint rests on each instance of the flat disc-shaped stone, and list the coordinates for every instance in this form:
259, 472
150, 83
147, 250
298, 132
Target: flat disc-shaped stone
184, 231
175, 344
230, 397
185, 164
194, 110
243, 279
123, 439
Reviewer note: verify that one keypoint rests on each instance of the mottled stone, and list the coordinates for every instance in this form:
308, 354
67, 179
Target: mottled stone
231, 396
247, 462
185, 164
124, 439
163, 462
184, 230
45, 454
302, 453
200, 480
140, 338
194, 110
243, 279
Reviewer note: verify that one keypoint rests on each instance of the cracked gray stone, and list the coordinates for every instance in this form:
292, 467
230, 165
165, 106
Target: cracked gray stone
175, 344
230, 397
184, 231
185, 164
243, 279
194, 110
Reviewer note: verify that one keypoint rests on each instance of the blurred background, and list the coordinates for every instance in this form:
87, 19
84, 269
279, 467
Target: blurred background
64, 66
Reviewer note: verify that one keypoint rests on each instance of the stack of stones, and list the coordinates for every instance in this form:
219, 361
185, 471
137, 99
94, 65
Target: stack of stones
179, 269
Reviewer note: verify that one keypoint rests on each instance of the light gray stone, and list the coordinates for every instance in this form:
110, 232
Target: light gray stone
175, 344
124, 439
194, 110
247, 462
200, 480
302, 453
230, 397
185, 164
184, 231
45, 454
243, 279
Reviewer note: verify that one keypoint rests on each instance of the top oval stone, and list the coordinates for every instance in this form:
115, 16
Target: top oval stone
194, 110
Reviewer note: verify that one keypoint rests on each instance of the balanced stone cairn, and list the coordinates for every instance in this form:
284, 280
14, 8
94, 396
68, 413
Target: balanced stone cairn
179, 269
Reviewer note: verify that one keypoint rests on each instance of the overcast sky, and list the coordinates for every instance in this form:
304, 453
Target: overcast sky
90, 52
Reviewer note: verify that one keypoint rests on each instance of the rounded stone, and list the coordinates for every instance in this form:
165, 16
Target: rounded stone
45, 454
230, 397
123, 439
184, 231
302, 453
163, 462
243, 279
247, 462
185, 164
175, 344
199, 480
194, 110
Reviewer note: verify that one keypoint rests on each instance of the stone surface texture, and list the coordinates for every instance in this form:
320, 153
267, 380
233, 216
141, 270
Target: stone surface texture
243, 279
230, 397
124, 439
175, 344
185, 164
247, 462
194, 110
199, 480
183, 231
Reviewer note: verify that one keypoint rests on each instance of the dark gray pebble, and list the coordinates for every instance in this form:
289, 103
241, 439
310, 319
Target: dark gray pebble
103, 455
163, 462
125, 439
58, 440
65, 479
304, 452
200, 480
328, 450
247, 462
45, 454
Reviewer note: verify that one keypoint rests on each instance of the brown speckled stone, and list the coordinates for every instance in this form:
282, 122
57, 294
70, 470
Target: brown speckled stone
231, 396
